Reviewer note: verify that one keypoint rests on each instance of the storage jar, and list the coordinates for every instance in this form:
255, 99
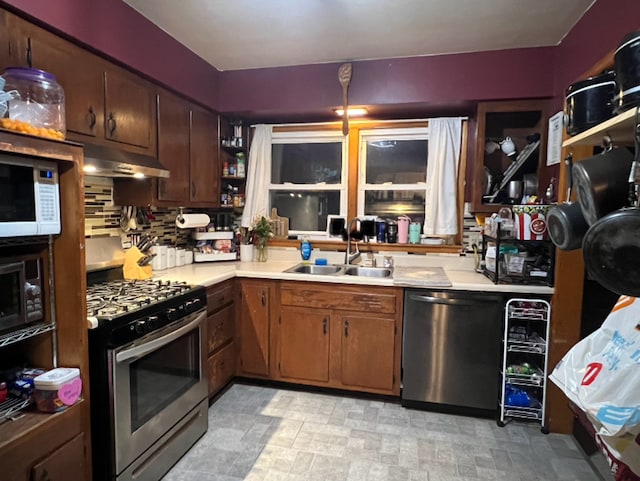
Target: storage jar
40, 108
57, 389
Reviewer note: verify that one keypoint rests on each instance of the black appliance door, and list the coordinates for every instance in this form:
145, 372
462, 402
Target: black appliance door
12, 301
17, 197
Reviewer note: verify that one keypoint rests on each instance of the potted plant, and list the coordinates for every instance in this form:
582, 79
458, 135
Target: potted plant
261, 228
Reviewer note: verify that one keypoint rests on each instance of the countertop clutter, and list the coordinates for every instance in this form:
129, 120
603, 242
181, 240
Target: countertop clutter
458, 269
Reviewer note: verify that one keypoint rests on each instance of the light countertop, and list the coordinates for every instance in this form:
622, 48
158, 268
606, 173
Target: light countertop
459, 271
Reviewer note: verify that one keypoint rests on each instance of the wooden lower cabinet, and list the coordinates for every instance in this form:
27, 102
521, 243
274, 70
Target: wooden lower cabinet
254, 325
47, 447
347, 339
367, 348
304, 346
221, 326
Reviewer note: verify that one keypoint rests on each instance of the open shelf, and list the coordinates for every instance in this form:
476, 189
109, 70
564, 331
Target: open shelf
620, 128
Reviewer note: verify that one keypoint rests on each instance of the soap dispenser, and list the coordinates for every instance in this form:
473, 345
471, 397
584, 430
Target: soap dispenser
305, 249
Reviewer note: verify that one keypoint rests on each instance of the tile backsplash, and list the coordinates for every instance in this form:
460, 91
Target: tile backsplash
102, 217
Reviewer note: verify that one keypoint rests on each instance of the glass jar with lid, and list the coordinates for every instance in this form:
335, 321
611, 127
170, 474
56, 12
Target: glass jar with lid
39, 107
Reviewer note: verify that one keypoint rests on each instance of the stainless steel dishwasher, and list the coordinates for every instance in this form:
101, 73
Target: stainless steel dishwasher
451, 350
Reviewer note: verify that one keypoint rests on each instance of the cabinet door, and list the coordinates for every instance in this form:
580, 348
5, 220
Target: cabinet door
79, 72
64, 464
173, 147
205, 185
220, 327
254, 328
304, 344
129, 110
221, 368
5, 42
367, 351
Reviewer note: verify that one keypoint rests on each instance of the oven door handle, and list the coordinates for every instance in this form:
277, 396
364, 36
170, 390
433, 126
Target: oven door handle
147, 347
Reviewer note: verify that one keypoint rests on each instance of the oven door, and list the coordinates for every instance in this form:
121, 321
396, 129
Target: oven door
13, 309
157, 380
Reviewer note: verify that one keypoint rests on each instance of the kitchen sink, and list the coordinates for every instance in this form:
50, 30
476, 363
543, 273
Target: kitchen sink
313, 269
340, 270
368, 271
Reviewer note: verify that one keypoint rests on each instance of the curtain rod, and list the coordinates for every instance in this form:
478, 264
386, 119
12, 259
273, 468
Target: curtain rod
360, 121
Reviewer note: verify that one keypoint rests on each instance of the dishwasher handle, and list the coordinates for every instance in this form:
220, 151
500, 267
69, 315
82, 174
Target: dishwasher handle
456, 301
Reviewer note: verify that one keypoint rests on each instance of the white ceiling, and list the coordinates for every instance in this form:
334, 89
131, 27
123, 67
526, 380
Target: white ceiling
245, 34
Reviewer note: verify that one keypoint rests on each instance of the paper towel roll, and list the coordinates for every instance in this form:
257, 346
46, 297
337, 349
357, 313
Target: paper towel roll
189, 221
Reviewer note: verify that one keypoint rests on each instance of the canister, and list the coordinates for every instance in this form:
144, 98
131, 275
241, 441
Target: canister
403, 229
414, 232
57, 389
159, 262
179, 257
171, 257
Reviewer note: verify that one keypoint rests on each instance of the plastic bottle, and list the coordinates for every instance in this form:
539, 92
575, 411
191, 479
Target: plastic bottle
225, 169
240, 171
305, 249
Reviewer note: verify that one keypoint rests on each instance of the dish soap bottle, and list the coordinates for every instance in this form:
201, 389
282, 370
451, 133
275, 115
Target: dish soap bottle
305, 249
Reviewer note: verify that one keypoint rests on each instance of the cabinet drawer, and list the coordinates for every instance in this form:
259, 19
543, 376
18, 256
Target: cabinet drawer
346, 298
220, 327
221, 367
218, 296
64, 464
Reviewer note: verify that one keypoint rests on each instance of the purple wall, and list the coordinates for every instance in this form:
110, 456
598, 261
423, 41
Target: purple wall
417, 81
115, 29
597, 33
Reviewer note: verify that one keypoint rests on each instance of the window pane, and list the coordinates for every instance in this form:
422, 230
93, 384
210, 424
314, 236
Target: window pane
306, 163
397, 161
388, 204
306, 210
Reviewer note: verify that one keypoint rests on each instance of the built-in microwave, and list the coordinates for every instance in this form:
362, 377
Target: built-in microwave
21, 292
29, 196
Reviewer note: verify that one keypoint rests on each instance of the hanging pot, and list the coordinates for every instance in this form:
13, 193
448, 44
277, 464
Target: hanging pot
590, 102
612, 252
565, 222
627, 66
601, 183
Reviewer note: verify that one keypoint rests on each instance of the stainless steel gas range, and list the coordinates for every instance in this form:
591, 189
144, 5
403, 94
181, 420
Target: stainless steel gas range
147, 358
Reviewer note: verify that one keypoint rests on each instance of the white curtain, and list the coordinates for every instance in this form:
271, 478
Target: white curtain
445, 137
256, 191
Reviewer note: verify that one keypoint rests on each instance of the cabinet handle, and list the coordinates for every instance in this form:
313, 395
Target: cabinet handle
264, 299
29, 55
92, 117
324, 326
346, 328
193, 189
44, 476
112, 124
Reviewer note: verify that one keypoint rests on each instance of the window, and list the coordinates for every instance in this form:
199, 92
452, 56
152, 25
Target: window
308, 178
392, 169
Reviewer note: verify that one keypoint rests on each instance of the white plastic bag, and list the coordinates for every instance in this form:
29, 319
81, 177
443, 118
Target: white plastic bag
601, 376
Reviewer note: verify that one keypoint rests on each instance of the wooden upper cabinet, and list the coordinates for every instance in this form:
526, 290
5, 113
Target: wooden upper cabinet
5, 45
76, 70
129, 108
204, 187
304, 344
173, 147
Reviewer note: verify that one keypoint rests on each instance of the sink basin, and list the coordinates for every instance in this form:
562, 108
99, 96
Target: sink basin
313, 269
368, 271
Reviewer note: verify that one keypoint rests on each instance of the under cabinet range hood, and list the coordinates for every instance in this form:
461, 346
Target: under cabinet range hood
110, 162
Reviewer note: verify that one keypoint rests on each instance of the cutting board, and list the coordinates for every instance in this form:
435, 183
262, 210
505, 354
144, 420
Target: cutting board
421, 276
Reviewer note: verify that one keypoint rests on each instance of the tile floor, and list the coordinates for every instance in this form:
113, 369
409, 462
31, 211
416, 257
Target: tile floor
267, 434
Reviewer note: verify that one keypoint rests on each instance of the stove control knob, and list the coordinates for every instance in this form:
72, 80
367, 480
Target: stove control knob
172, 314
140, 327
153, 322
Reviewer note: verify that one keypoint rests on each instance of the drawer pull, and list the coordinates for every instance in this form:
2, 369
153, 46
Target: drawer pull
324, 326
346, 328
264, 299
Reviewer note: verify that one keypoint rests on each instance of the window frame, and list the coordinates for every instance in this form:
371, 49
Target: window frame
382, 134
306, 136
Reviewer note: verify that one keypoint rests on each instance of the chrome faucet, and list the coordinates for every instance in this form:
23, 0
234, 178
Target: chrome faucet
349, 257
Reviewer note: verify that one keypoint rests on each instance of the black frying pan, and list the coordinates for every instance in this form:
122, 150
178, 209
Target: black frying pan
611, 251
565, 222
